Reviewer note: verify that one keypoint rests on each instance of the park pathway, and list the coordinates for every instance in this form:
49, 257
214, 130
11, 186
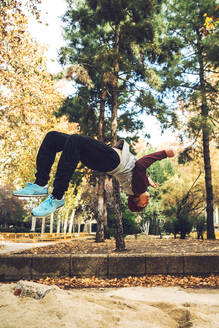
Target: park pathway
9, 247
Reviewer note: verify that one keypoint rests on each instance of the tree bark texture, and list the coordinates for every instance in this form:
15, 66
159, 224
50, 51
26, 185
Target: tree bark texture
101, 179
206, 144
208, 186
120, 242
100, 209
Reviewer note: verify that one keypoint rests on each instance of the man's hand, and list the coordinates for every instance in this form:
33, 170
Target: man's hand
170, 153
152, 183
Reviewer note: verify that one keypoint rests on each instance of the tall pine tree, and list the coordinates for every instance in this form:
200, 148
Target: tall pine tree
188, 75
113, 40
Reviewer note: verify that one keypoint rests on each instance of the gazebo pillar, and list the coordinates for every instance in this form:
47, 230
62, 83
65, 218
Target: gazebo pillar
33, 225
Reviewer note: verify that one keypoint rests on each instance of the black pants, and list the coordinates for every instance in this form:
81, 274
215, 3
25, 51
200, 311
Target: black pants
91, 152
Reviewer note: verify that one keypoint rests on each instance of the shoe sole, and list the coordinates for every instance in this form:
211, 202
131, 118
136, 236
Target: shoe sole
42, 195
42, 216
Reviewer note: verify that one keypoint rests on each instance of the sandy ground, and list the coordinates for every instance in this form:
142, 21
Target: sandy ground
133, 307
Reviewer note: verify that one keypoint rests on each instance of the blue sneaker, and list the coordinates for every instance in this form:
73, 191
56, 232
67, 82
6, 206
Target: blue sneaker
48, 206
31, 190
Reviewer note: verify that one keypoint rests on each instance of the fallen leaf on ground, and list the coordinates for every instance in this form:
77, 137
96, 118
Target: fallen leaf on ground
145, 281
144, 244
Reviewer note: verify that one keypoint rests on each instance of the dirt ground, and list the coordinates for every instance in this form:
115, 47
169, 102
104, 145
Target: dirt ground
143, 244
138, 307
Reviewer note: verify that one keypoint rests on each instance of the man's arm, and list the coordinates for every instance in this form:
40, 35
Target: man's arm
140, 180
149, 159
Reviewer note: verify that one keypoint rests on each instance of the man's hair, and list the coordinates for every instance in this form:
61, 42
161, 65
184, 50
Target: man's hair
132, 204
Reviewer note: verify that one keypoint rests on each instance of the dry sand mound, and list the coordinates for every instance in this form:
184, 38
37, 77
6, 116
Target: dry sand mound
134, 307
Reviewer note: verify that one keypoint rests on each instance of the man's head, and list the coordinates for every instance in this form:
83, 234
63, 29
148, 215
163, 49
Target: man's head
137, 203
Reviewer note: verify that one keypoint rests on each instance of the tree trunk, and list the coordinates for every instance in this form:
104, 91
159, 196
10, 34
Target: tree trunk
65, 224
216, 216
101, 180
43, 225
100, 209
182, 235
120, 242
208, 187
79, 225
62, 225
206, 142
51, 222
106, 227
71, 221
58, 223
102, 115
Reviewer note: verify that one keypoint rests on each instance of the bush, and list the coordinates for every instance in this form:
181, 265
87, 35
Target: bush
130, 226
11, 208
179, 222
170, 226
200, 225
15, 229
184, 223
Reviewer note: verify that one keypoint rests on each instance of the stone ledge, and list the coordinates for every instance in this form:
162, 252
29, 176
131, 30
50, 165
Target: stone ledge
50, 266
201, 263
165, 264
122, 265
19, 266
13, 268
89, 265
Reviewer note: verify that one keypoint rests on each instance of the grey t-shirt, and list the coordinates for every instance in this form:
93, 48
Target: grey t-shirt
123, 172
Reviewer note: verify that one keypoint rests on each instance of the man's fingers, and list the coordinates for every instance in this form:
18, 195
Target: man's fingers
170, 153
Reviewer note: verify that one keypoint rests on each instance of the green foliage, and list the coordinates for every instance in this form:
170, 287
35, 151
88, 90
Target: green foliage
81, 109
200, 225
183, 201
170, 226
188, 73
191, 78
130, 227
90, 33
185, 156
211, 32
11, 208
116, 11
179, 222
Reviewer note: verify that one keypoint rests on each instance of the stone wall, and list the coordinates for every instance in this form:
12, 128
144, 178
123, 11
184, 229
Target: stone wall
16, 267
